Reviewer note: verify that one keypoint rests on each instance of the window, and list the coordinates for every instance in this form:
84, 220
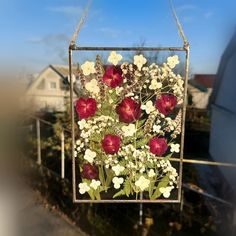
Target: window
53, 85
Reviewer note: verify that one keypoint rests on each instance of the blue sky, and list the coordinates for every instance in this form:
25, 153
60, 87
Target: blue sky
37, 33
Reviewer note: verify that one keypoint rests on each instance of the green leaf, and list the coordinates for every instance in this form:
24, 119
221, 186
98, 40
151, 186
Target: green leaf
127, 187
140, 123
151, 188
162, 184
91, 194
101, 175
120, 193
97, 194
143, 141
109, 175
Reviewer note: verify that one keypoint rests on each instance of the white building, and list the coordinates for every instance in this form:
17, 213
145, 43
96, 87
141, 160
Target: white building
49, 91
199, 90
223, 113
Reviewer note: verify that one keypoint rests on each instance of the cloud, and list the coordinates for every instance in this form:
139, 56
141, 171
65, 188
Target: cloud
67, 10
209, 14
186, 7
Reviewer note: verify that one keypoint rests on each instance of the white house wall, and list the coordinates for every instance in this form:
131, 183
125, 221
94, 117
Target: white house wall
226, 96
223, 141
47, 98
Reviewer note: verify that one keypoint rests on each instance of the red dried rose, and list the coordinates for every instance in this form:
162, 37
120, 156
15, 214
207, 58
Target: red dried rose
113, 76
166, 104
86, 107
111, 144
158, 146
128, 110
89, 171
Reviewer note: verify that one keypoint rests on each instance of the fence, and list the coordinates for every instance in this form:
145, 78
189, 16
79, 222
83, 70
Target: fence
66, 176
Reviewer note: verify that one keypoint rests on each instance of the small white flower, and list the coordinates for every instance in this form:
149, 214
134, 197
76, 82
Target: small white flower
92, 86
89, 155
129, 130
142, 183
119, 90
175, 147
166, 191
139, 61
148, 107
151, 173
82, 123
156, 128
117, 182
118, 169
88, 68
172, 61
95, 184
83, 188
155, 85
114, 58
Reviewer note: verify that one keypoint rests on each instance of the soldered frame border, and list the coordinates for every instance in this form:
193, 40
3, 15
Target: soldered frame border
185, 49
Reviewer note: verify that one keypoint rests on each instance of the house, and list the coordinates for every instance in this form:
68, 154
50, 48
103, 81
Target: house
49, 91
199, 90
223, 113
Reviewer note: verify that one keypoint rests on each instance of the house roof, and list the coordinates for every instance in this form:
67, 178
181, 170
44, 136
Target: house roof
63, 70
228, 53
195, 84
206, 80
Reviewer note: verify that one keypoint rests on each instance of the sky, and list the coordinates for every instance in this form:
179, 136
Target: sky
37, 33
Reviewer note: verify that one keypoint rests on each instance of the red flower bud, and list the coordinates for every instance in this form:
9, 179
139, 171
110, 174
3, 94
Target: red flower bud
158, 146
113, 77
166, 104
86, 107
128, 110
111, 144
89, 171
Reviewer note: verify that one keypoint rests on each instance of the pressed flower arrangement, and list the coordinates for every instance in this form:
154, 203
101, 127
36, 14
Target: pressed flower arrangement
129, 121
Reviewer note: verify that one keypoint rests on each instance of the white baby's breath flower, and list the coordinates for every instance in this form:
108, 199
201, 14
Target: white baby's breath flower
88, 68
148, 107
119, 90
82, 123
83, 188
174, 147
166, 191
139, 61
155, 85
118, 169
89, 155
95, 184
128, 130
142, 183
117, 182
151, 173
114, 58
92, 86
156, 128
173, 61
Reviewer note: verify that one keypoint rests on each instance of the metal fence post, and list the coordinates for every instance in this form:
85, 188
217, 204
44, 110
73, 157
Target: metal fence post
39, 161
62, 155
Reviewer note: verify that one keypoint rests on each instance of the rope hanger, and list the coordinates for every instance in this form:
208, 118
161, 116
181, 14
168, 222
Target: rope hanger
85, 14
